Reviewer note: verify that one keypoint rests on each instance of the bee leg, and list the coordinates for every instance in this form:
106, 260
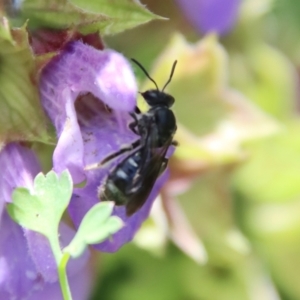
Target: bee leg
133, 125
175, 143
121, 151
137, 110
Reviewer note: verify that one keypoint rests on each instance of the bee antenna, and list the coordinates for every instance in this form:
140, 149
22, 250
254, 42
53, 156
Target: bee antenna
146, 73
171, 75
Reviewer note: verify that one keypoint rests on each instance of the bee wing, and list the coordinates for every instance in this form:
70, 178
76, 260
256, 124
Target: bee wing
151, 158
153, 162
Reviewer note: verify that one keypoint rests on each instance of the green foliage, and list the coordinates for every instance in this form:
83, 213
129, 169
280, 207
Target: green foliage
108, 17
22, 117
96, 226
42, 208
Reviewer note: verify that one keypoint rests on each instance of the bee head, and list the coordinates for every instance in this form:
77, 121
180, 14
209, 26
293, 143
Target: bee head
156, 97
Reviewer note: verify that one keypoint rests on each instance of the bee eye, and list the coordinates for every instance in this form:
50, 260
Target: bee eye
169, 100
152, 94
152, 97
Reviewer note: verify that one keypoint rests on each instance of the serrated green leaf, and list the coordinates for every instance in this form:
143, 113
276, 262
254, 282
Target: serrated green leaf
22, 117
96, 226
42, 209
108, 17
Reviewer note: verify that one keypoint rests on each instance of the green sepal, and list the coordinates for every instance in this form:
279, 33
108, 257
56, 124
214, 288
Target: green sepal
22, 117
108, 17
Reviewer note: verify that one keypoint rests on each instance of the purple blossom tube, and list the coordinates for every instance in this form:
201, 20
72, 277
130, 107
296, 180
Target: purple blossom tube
88, 94
211, 15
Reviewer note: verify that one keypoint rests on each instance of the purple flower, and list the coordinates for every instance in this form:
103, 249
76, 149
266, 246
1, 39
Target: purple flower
211, 15
82, 69
88, 94
27, 264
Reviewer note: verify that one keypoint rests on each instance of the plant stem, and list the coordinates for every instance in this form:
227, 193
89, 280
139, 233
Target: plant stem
63, 279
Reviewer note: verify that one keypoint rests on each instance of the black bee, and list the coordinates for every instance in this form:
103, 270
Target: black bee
131, 181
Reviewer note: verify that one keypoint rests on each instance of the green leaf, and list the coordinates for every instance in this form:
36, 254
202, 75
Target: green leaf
96, 226
22, 117
107, 16
42, 208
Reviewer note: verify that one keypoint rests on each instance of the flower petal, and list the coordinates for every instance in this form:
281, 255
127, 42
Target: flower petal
80, 286
19, 276
211, 15
1, 212
20, 166
41, 254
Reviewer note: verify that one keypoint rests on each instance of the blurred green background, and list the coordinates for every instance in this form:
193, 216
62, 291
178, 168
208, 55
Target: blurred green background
244, 199
229, 224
